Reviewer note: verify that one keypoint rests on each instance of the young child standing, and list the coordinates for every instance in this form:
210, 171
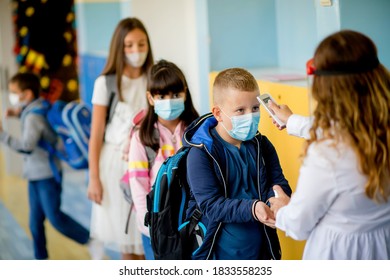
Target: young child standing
170, 111
231, 169
129, 59
44, 192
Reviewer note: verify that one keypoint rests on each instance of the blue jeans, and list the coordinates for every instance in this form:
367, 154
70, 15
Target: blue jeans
45, 202
149, 255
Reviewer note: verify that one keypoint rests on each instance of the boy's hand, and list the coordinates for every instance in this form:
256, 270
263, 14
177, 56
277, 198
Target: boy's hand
280, 201
13, 112
264, 214
283, 112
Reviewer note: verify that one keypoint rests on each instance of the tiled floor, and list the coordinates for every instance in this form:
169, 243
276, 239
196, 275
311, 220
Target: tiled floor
15, 239
14, 242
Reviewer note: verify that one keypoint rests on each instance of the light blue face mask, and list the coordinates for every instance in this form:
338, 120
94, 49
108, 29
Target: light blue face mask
169, 109
244, 127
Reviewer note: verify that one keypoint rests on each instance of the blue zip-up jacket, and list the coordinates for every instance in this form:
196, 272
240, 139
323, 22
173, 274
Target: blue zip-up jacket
207, 171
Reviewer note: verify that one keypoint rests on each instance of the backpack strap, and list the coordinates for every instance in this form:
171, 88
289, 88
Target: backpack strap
38, 109
150, 153
112, 89
53, 154
42, 110
187, 231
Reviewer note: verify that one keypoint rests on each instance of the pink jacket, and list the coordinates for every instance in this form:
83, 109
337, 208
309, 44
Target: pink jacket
141, 180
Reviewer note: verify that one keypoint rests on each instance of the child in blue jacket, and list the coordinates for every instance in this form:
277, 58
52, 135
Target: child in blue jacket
44, 191
231, 171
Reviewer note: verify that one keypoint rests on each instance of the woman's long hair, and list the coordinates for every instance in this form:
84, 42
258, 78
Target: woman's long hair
116, 58
164, 78
352, 90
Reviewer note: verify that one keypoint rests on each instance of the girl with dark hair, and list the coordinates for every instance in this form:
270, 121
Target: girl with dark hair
169, 112
129, 58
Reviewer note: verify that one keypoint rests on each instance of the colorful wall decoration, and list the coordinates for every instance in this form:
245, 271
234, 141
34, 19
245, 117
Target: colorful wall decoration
46, 44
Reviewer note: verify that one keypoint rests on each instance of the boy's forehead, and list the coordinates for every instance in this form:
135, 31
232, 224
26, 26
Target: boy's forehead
234, 94
14, 87
235, 97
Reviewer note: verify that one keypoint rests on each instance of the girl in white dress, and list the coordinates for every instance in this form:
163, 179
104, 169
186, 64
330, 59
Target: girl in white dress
342, 201
129, 59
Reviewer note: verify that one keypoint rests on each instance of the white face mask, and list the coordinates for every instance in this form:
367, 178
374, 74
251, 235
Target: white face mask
136, 59
14, 100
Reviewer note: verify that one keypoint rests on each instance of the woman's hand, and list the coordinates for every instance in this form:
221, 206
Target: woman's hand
278, 202
283, 112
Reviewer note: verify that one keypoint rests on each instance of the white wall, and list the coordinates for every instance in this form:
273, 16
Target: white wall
8, 68
172, 28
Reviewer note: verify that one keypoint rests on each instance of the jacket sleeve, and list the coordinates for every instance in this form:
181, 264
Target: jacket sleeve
139, 179
209, 191
32, 132
274, 170
299, 126
315, 193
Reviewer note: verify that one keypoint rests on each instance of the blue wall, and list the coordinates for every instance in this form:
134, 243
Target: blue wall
371, 18
262, 33
242, 33
90, 68
249, 33
297, 32
96, 22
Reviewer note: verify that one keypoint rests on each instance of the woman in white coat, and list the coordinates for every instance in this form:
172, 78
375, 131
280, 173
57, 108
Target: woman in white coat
342, 201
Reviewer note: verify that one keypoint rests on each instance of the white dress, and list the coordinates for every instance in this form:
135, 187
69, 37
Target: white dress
108, 220
330, 210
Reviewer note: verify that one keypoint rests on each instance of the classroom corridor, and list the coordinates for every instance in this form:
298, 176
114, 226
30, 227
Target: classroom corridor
15, 237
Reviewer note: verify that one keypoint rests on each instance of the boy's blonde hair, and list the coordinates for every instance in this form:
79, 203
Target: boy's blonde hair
236, 78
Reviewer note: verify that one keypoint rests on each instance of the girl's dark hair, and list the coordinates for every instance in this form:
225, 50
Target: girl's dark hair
163, 78
27, 81
116, 58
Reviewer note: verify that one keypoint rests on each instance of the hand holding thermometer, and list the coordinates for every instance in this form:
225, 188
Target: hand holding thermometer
264, 99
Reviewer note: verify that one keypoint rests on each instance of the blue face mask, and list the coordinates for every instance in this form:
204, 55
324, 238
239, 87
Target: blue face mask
169, 109
244, 127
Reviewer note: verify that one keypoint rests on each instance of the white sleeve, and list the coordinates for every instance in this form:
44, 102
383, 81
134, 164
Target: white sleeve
100, 95
316, 191
299, 126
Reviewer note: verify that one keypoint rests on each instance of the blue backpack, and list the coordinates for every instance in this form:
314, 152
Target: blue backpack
172, 235
72, 123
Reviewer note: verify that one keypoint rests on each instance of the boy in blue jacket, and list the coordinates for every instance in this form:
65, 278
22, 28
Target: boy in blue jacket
231, 171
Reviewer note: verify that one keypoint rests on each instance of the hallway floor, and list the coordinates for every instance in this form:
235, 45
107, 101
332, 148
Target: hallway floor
15, 237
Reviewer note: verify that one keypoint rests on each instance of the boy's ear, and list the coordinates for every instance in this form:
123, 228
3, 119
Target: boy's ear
216, 111
150, 98
28, 95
